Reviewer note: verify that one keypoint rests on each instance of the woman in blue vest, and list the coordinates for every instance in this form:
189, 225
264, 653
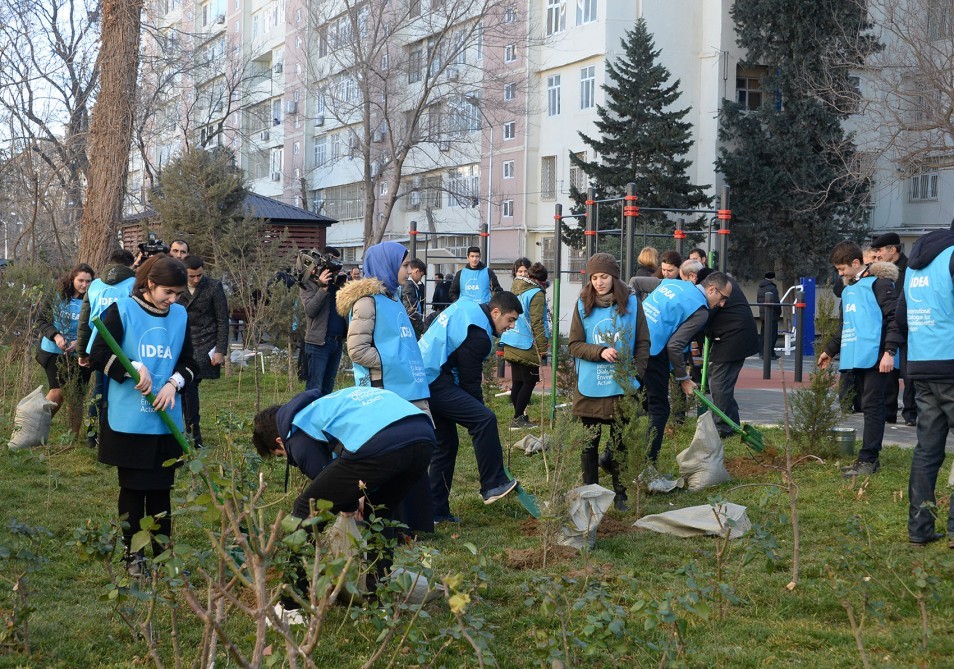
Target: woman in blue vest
153, 332
607, 324
58, 327
527, 341
383, 347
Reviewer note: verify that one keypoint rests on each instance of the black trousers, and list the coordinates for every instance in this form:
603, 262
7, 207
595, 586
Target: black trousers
134, 505
656, 383
590, 455
872, 405
525, 379
190, 405
910, 411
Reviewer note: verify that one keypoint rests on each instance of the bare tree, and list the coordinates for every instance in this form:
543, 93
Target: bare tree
399, 89
111, 128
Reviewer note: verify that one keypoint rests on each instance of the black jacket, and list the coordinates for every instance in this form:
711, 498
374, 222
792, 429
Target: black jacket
468, 360
732, 329
441, 298
924, 251
767, 286
208, 311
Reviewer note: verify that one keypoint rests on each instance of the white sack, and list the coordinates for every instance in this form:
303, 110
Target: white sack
586, 507
703, 463
31, 423
696, 521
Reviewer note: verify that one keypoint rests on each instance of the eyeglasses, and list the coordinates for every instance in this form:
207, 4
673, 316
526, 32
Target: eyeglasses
724, 296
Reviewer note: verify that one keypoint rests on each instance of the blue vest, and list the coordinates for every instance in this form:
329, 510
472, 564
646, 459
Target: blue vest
605, 325
156, 342
447, 332
401, 364
475, 284
352, 415
66, 321
668, 307
861, 325
929, 294
101, 295
521, 334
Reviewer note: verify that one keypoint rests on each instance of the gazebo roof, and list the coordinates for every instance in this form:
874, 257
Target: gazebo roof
274, 211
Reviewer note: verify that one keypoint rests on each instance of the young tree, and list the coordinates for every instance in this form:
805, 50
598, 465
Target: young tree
792, 166
643, 137
199, 194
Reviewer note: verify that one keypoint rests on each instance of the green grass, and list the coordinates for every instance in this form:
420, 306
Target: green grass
59, 487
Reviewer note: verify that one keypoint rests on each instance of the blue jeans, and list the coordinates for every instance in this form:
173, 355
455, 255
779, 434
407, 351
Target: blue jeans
450, 407
935, 419
323, 364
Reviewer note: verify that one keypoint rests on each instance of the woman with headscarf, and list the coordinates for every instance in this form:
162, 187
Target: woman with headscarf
384, 350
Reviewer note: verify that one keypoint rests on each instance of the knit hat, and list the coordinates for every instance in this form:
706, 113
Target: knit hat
602, 263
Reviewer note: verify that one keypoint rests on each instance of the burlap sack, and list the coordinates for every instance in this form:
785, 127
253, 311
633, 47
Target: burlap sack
31, 423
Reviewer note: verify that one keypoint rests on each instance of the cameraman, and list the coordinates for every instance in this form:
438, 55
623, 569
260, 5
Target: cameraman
324, 328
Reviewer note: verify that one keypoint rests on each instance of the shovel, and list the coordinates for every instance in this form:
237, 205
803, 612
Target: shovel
527, 501
751, 437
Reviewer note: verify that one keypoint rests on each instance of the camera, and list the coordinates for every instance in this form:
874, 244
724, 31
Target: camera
152, 246
315, 262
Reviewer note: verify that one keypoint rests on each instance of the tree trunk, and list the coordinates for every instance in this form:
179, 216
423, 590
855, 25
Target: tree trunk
110, 130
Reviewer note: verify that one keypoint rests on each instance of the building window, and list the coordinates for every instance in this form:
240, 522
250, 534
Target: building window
578, 178
510, 53
298, 15
748, 92
296, 148
548, 178
463, 190
414, 8
924, 186
507, 209
510, 15
585, 11
509, 169
415, 63
510, 130
553, 95
510, 91
588, 87
556, 16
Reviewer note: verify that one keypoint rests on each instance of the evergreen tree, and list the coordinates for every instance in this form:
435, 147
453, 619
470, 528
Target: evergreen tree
199, 194
642, 138
792, 167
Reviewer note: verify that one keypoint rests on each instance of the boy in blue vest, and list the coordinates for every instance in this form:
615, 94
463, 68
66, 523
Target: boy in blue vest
476, 281
924, 322
867, 308
676, 311
454, 349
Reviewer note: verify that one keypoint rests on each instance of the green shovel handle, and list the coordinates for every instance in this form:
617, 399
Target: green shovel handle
728, 421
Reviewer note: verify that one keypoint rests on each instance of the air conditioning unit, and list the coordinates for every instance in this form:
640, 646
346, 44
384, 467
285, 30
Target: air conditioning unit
444, 146
277, 68
263, 136
377, 137
453, 73
319, 120
291, 107
276, 176
220, 19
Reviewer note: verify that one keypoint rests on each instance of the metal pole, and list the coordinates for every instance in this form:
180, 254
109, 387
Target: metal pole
725, 215
679, 234
630, 212
589, 233
799, 332
555, 333
485, 246
768, 345
412, 232
485, 243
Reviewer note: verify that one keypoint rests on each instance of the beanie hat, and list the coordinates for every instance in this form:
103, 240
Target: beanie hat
602, 263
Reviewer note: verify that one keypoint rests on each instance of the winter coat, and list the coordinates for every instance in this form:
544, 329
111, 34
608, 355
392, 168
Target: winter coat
767, 286
603, 408
538, 314
208, 310
441, 299
316, 301
356, 299
732, 329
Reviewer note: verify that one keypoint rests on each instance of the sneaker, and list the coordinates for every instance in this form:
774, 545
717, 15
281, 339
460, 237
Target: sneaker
861, 469
522, 423
619, 502
921, 543
446, 519
499, 492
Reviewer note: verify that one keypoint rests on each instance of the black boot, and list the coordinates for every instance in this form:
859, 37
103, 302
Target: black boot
590, 465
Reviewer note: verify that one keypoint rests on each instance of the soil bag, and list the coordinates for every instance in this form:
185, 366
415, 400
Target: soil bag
31, 423
586, 507
703, 464
697, 521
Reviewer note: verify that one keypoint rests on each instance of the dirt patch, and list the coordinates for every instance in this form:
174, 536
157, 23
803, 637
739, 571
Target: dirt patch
749, 465
611, 527
593, 570
532, 558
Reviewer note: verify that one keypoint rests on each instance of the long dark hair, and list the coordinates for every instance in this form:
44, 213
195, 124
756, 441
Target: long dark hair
620, 295
64, 285
162, 270
518, 263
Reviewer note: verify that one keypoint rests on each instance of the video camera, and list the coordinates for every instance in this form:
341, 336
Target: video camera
313, 263
152, 246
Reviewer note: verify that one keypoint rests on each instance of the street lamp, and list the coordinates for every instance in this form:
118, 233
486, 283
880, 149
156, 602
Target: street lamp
475, 101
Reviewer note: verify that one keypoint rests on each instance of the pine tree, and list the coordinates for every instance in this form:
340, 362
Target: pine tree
792, 167
199, 193
642, 138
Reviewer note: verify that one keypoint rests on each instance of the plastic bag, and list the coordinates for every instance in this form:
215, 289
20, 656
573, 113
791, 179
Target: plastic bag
345, 541
703, 463
31, 424
696, 521
587, 506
